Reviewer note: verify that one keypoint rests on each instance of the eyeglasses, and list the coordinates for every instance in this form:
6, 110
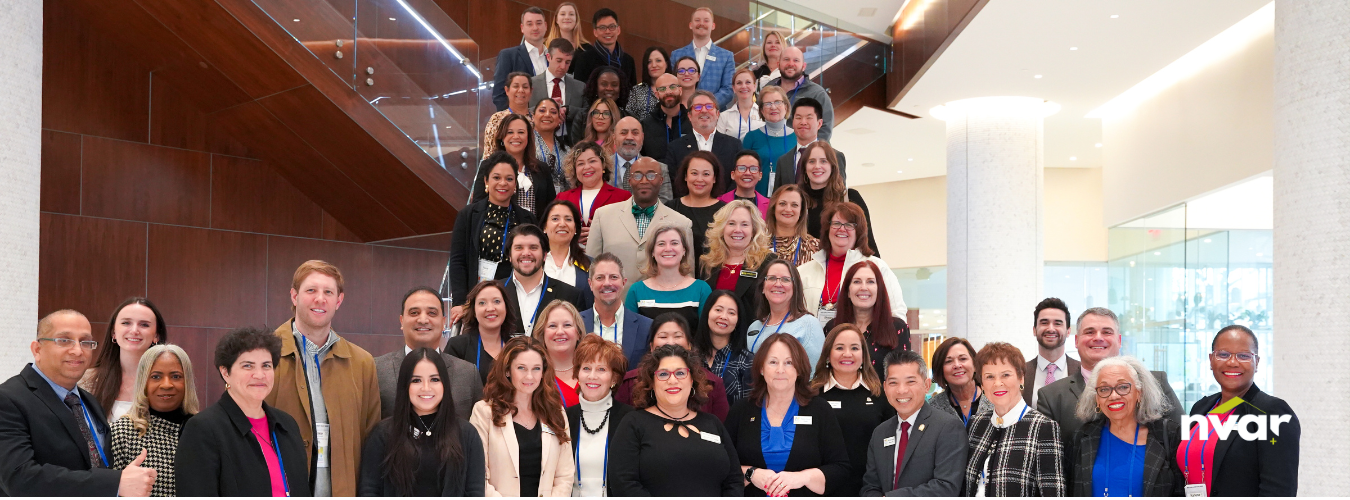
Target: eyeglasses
834, 224
704, 107
607, 27
786, 280
774, 104
680, 374
637, 176
1122, 389
602, 112
1242, 357
687, 71
672, 87
88, 345
754, 169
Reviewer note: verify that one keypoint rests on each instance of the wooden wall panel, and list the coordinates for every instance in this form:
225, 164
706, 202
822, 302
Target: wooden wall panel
439, 242
174, 121
200, 346
355, 261
90, 87
376, 344
89, 264
334, 230
206, 278
398, 270
60, 172
247, 195
125, 180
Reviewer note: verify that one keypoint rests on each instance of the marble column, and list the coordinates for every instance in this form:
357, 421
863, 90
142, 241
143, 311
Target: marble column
20, 178
1312, 235
995, 179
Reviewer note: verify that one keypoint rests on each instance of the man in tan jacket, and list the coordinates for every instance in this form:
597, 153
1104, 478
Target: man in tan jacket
325, 382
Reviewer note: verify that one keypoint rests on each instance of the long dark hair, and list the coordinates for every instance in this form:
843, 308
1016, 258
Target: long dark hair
107, 377
646, 57
592, 89
545, 403
485, 169
401, 450
702, 338
531, 162
881, 323
578, 253
471, 319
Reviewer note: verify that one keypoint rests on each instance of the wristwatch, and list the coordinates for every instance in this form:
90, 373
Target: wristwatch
750, 473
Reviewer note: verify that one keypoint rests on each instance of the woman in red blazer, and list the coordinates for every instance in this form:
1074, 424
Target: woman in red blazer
588, 167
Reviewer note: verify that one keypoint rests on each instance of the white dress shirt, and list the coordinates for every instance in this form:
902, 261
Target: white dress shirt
537, 57
1009, 419
564, 273
899, 452
559, 82
701, 54
529, 300
610, 333
704, 144
859, 382
1061, 371
730, 122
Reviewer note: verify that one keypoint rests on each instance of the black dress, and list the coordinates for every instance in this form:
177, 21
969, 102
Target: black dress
531, 457
465, 480
702, 217
859, 413
817, 207
879, 352
647, 460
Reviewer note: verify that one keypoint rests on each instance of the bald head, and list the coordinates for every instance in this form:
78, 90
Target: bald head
48, 323
57, 351
629, 132
645, 190
667, 88
792, 63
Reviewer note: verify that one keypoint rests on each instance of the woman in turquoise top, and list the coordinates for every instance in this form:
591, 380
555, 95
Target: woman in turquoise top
781, 309
775, 138
670, 285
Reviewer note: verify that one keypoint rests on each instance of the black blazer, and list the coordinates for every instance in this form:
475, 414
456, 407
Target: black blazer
466, 480
588, 58
657, 136
746, 292
787, 173
509, 60
819, 445
542, 180
1255, 468
556, 290
44, 452
464, 247
1162, 475
616, 414
218, 456
724, 147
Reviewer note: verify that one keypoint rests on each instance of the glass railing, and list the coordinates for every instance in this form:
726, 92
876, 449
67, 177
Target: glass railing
404, 57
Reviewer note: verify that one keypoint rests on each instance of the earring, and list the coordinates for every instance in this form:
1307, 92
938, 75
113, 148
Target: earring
227, 385
1022, 387
827, 364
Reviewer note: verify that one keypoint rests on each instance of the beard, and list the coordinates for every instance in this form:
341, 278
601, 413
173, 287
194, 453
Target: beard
1048, 346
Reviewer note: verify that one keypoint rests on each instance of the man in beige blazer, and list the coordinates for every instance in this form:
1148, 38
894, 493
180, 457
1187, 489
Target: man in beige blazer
615, 227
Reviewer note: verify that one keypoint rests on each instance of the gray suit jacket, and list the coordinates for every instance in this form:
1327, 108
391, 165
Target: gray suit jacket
573, 93
935, 457
465, 386
1074, 367
1059, 401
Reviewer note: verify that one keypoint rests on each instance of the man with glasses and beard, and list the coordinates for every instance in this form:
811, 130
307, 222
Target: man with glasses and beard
629, 134
667, 123
533, 289
621, 228
792, 65
705, 137
1051, 329
609, 318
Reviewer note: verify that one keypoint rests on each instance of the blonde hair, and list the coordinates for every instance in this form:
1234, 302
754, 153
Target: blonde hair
755, 254
140, 407
613, 121
649, 268
555, 33
541, 322
570, 162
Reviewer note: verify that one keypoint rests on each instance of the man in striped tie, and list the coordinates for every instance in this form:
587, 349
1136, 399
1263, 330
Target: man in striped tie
1051, 328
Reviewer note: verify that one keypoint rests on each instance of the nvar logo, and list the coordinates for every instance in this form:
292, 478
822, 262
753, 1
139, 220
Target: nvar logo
1249, 427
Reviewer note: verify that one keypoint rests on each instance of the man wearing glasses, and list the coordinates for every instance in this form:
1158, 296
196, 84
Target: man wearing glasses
55, 435
630, 136
606, 50
1097, 338
667, 123
621, 228
705, 137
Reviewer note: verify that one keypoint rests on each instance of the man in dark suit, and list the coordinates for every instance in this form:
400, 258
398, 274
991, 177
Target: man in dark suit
607, 284
54, 434
423, 321
528, 57
806, 123
931, 444
606, 50
528, 289
705, 137
1098, 338
1051, 329
557, 83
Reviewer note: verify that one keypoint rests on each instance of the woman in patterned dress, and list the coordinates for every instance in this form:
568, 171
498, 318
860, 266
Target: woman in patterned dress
166, 399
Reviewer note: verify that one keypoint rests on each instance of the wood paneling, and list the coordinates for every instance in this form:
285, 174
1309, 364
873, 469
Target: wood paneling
174, 121
334, 230
398, 270
206, 278
89, 264
439, 242
90, 87
247, 195
355, 261
60, 172
200, 346
126, 180
874, 95
376, 345
934, 25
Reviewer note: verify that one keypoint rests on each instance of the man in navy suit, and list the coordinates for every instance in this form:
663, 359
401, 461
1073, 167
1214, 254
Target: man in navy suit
607, 283
703, 137
716, 64
530, 57
54, 434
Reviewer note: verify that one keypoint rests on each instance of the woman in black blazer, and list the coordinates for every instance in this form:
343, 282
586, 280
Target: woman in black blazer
1235, 466
600, 365
814, 461
515, 136
479, 237
240, 446
1127, 446
738, 249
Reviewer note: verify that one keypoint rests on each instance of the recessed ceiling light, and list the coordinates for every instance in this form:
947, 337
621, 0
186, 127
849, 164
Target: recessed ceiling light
1259, 254
1037, 76
869, 164
295, 20
1073, 48
1113, 16
899, 171
1073, 158
392, 19
911, 159
1099, 145
1157, 253
1207, 240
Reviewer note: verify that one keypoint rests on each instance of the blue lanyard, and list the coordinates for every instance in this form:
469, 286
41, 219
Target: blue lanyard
794, 252
538, 306
1187, 460
602, 328
1019, 418
92, 432
561, 394
1106, 490
604, 471
304, 346
723, 374
285, 483
965, 419
478, 356
510, 209
775, 332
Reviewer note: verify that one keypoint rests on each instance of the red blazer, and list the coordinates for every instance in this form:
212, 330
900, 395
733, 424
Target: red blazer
608, 194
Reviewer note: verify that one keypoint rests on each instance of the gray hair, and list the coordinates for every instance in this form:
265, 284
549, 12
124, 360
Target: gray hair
1096, 311
1152, 405
140, 406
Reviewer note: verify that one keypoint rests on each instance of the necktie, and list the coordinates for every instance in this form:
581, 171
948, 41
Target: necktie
622, 175
900, 453
77, 407
649, 211
557, 90
1050, 374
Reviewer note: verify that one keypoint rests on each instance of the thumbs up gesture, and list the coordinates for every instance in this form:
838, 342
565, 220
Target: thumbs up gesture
136, 479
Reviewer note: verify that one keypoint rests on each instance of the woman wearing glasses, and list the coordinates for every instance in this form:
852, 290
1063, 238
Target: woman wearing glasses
780, 309
1126, 445
1238, 467
746, 174
775, 138
687, 73
599, 122
743, 115
842, 248
604, 82
666, 447
701, 172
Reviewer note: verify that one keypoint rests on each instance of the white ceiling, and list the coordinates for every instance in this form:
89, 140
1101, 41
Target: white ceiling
1001, 51
872, 15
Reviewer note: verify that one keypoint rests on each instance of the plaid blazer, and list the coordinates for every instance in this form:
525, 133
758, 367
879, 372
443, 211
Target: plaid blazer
1025, 460
1162, 475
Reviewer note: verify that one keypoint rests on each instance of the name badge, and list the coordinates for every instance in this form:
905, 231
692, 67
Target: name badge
801, 420
888, 442
1196, 491
545, 428
647, 303
709, 57
321, 439
487, 270
825, 315
750, 274
713, 438
836, 404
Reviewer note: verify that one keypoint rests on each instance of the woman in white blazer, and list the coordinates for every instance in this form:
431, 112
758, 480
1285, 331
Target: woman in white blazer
843, 244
